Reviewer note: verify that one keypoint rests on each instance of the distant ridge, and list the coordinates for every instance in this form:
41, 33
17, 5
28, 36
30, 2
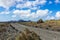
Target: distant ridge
16, 21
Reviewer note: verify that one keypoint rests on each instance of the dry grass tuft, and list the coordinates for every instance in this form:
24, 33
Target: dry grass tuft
27, 35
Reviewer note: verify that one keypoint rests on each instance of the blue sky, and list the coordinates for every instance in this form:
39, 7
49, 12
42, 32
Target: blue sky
29, 10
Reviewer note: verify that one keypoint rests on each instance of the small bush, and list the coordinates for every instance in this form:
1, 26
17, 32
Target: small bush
40, 21
2, 30
49, 26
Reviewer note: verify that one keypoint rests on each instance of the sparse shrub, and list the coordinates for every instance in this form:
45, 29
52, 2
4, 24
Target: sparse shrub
36, 26
40, 21
2, 30
49, 26
58, 30
27, 35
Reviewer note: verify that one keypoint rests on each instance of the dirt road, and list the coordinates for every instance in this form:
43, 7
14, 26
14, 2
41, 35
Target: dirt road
44, 34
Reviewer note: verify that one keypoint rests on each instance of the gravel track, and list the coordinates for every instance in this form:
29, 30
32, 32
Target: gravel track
44, 34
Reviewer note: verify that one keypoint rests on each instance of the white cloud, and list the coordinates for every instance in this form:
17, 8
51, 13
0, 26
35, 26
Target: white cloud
58, 15
24, 3
5, 12
50, 17
22, 13
42, 12
50, 11
13, 16
40, 2
57, 1
34, 8
29, 4
19, 0
50, 2
7, 3
43, 1
31, 15
17, 12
